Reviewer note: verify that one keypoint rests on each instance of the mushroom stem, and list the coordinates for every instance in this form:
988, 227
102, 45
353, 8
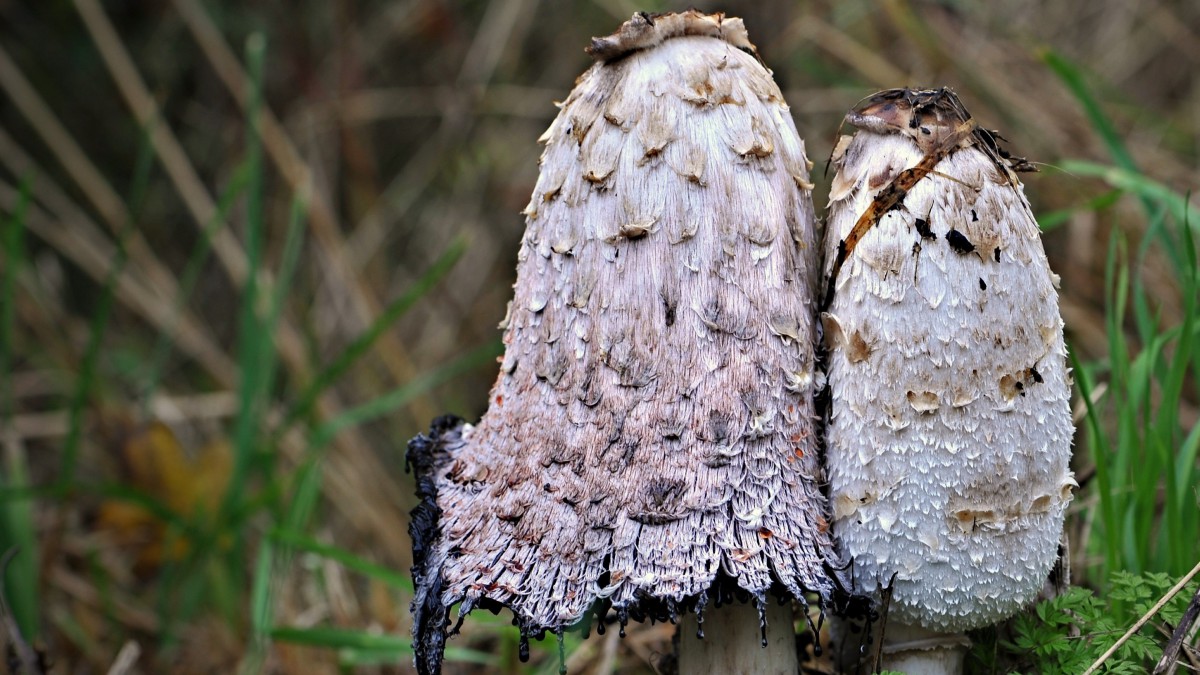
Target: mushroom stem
733, 641
917, 651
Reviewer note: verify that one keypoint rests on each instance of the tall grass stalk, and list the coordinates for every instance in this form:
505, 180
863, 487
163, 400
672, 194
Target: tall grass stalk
201, 577
255, 343
304, 496
17, 535
362, 344
152, 374
1145, 460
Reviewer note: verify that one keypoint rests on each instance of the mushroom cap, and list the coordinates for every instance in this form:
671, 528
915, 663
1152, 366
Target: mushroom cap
949, 433
652, 426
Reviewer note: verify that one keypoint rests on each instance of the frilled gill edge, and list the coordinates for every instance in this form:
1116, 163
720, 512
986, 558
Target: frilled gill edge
427, 454
431, 616
646, 30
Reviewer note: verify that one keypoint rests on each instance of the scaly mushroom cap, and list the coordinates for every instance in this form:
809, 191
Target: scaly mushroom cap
950, 426
652, 424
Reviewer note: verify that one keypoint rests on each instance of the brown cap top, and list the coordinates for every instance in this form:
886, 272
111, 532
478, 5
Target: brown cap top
929, 117
646, 30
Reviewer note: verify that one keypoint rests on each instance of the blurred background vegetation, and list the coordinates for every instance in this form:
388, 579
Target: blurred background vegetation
217, 336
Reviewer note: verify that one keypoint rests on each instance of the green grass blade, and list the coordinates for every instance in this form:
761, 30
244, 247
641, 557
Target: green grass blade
1193, 264
104, 583
1101, 452
255, 346
12, 254
405, 393
1184, 518
260, 593
19, 536
105, 491
1135, 183
1054, 219
87, 371
342, 638
1070, 74
363, 343
143, 167
353, 657
1132, 545
188, 279
304, 496
361, 648
461, 655
1185, 471
292, 243
17, 529
1123, 401
124, 493
348, 560
99, 323
73, 632
261, 608
308, 477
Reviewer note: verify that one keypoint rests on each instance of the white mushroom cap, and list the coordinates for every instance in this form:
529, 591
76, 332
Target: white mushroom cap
950, 429
652, 427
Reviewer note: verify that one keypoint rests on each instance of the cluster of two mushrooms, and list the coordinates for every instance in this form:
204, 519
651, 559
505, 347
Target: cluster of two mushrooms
653, 442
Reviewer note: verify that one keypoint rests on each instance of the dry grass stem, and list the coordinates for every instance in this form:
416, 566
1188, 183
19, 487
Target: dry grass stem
355, 460
95, 255
126, 659
126, 610
300, 178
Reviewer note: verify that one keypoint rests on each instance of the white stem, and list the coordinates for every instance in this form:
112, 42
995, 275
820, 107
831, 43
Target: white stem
916, 651
906, 649
733, 641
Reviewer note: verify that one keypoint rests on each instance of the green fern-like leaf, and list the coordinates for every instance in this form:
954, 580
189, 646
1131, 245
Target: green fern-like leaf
1068, 633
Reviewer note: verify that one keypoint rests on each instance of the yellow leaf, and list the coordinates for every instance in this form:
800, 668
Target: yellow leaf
158, 465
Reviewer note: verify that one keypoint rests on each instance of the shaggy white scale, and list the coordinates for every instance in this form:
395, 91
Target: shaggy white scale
949, 431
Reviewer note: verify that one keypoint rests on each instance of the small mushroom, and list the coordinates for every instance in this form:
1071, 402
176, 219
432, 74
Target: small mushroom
649, 443
956, 507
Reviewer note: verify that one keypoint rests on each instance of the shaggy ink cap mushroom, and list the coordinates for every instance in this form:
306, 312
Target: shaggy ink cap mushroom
650, 440
949, 428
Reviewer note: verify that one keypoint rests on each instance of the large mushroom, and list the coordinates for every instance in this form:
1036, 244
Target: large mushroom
949, 430
650, 437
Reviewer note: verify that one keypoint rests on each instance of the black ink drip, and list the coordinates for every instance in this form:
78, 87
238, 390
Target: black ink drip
760, 603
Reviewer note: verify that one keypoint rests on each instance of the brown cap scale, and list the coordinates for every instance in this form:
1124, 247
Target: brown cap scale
651, 430
949, 432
